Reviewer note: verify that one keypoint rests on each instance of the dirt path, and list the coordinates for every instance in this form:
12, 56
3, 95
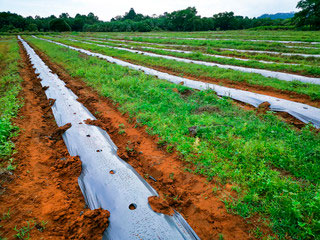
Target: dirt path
43, 191
198, 200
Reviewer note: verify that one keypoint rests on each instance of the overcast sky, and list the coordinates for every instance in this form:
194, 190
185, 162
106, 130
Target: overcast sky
106, 9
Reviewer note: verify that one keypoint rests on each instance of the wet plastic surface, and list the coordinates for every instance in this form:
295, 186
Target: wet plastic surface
266, 73
303, 112
124, 193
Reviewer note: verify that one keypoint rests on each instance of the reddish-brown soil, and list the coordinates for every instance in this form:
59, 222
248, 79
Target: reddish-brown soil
43, 191
198, 200
89, 225
160, 205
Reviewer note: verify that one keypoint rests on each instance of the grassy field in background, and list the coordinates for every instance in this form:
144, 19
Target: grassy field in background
232, 145
209, 49
196, 70
198, 55
307, 36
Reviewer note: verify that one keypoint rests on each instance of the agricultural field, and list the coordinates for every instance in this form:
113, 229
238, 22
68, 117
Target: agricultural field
223, 126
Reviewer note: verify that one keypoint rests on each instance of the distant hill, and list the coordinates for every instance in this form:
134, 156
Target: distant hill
278, 15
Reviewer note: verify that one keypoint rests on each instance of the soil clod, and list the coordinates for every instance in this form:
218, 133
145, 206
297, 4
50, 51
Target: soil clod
159, 205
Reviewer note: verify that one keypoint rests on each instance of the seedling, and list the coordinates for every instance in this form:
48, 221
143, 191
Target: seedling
41, 226
221, 236
23, 233
6, 215
171, 176
128, 149
121, 129
257, 232
176, 198
170, 148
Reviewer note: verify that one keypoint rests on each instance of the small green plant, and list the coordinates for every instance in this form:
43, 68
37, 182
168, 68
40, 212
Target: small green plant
11, 167
214, 190
121, 129
128, 148
41, 226
171, 176
175, 198
161, 143
6, 215
221, 236
258, 233
24, 232
236, 189
170, 148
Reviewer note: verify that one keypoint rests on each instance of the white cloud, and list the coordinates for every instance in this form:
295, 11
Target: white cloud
106, 9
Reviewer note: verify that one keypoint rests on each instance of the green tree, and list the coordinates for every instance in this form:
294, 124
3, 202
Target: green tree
224, 21
130, 15
59, 25
182, 20
309, 15
32, 27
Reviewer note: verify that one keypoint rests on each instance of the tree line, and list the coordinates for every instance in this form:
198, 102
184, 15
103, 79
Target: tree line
181, 20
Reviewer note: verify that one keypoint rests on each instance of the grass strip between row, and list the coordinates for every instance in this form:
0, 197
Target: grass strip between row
10, 87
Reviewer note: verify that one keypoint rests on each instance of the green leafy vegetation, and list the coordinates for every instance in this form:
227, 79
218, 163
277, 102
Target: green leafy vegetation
59, 25
203, 47
24, 232
9, 102
197, 55
196, 70
233, 44
273, 167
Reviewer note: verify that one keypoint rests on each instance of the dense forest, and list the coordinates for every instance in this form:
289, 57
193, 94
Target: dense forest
182, 20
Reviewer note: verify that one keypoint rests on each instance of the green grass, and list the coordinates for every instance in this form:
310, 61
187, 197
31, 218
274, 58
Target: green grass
195, 70
207, 48
197, 55
237, 44
9, 88
213, 47
231, 145
307, 36
24, 232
